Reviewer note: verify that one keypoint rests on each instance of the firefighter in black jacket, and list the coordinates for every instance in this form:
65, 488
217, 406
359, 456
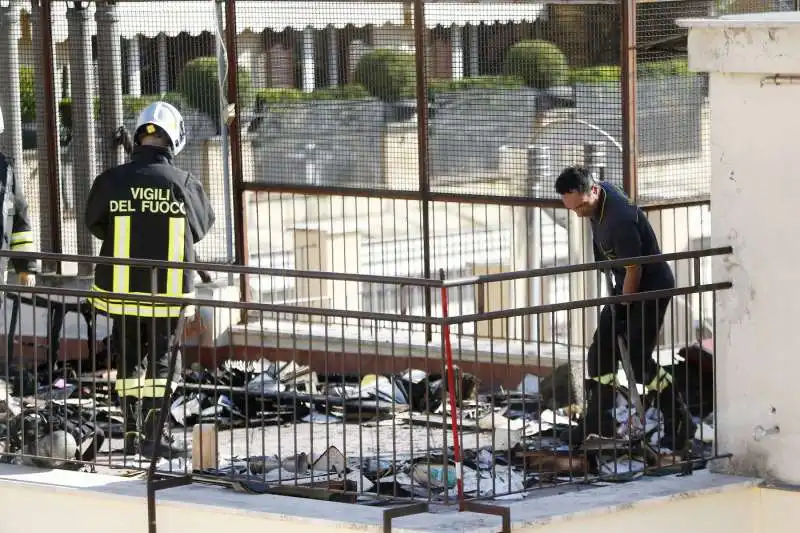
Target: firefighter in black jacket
16, 227
147, 209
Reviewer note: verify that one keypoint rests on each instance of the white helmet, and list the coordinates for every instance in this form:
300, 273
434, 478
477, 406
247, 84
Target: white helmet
2, 125
165, 117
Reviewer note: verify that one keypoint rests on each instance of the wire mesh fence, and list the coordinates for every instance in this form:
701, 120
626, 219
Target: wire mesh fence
385, 99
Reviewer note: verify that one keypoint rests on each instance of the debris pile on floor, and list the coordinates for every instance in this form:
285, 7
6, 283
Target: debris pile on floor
512, 438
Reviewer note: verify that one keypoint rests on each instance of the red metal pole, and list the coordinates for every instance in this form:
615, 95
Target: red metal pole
451, 387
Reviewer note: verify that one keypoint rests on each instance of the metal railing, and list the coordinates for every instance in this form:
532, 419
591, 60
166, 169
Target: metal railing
325, 403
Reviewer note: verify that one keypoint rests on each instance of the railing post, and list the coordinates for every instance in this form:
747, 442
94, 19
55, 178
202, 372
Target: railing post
424, 161
47, 134
540, 170
235, 137
630, 150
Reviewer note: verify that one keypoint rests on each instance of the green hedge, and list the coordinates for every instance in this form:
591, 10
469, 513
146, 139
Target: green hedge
292, 96
389, 75
645, 70
199, 85
540, 64
131, 106
358, 92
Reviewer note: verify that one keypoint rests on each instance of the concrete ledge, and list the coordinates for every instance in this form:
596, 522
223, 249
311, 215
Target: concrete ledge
111, 503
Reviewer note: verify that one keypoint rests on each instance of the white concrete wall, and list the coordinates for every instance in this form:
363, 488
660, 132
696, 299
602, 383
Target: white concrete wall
754, 194
97, 503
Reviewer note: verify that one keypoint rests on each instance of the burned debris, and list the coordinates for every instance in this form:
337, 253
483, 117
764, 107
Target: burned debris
513, 440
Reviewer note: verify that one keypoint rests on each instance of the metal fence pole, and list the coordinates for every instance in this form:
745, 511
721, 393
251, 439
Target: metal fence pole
109, 60
628, 78
84, 145
235, 138
540, 170
11, 140
422, 135
47, 138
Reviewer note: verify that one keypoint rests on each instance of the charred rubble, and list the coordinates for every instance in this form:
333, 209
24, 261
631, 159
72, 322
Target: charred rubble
64, 418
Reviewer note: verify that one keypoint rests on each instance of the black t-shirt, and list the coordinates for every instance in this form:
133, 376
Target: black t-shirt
620, 230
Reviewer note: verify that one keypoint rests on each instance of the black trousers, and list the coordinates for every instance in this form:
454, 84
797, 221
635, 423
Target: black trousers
142, 346
640, 324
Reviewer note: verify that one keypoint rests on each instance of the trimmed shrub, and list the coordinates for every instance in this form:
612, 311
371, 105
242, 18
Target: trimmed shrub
540, 64
648, 70
199, 85
389, 75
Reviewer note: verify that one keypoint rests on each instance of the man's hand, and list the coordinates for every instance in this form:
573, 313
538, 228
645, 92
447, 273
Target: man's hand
26, 279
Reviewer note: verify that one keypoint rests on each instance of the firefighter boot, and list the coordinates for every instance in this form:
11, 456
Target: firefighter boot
157, 441
128, 405
679, 428
598, 419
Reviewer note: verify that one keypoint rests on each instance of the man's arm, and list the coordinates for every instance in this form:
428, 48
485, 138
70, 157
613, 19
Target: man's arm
199, 212
21, 231
96, 215
628, 244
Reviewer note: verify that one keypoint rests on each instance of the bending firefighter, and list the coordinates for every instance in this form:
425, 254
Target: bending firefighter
147, 209
16, 227
621, 230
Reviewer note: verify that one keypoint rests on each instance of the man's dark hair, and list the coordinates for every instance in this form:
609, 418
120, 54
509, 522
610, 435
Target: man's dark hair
574, 179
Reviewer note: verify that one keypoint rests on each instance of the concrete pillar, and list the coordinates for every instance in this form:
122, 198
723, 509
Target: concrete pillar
309, 82
84, 146
11, 140
474, 57
333, 56
753, 138
333, 249
43, 163
494, 297
163, 63
134, 67
109, 52
539, 170
457, 51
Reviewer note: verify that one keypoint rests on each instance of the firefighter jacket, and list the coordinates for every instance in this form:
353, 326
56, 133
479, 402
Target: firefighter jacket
146, 209
16, 227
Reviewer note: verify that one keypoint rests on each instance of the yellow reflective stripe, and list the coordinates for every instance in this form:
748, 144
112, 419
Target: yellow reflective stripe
606, 379
23, 247
177, 236
21, 237
143, 310
122, 250
141, 388
661, 381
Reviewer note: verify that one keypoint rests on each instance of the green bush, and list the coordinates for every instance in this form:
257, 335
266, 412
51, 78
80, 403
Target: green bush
540, 64
476, 82
199, 85
292, 96
645, 71
131, 106
388, 75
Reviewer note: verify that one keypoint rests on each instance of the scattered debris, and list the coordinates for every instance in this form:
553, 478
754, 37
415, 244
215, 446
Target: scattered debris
65, 417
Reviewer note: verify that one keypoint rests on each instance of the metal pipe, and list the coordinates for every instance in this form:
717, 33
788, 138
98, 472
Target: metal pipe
368, 278
422, 148
84, 143
628, 77
780, 79
48, 131
109, 52
11, 140
235, 136
223, 71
